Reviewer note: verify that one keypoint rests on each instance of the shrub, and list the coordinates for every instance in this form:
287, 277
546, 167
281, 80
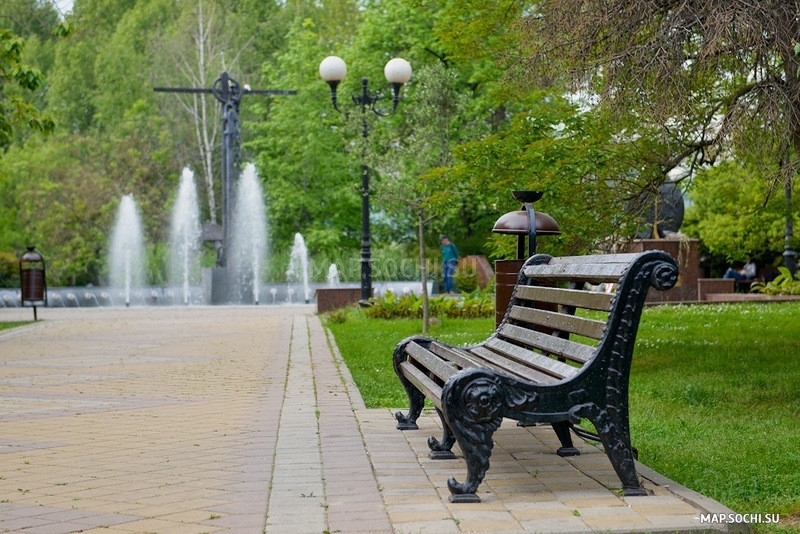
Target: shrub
466, 280
9, 270
478, 303
783, 284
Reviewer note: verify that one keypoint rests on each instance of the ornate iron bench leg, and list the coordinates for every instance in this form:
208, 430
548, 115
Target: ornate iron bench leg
416, 398
442, 450
476, 443
416, 403
562, 429
615, 435
473, 403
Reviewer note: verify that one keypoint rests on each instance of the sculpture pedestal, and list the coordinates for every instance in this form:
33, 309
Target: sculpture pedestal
215, 285
685, 253
332, 298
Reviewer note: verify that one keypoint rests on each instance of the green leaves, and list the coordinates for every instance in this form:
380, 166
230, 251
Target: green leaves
797, 54
27, 77
17, 79
783, 284
736, 211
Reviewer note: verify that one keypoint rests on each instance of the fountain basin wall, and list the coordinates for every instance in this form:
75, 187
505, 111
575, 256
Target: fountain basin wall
271, 294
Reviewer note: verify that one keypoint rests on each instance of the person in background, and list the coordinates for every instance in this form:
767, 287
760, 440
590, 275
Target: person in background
449, 262
748, 272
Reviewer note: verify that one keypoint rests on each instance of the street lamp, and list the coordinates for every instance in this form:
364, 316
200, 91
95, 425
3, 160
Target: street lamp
333, 69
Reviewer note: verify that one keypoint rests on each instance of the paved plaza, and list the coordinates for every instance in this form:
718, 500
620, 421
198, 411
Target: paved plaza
245, 420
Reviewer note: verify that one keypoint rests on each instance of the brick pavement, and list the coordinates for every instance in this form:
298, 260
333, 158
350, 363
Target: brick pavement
245, 419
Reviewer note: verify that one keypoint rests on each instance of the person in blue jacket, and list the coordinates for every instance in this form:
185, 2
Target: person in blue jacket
449, 262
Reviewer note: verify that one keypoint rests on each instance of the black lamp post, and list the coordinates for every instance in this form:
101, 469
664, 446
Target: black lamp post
333, 69
789, 254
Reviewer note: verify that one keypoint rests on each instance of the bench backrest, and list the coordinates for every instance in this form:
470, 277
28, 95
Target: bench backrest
565, 312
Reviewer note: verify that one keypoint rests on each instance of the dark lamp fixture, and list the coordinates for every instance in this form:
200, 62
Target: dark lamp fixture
526, 222
516, 223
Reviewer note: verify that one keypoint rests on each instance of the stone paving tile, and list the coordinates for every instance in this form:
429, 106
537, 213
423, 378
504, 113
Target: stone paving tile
523, 491
246, 420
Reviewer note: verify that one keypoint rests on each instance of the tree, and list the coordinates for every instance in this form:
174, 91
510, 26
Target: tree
434, 116
714, 79
308, 178
731, 215
405, 28
586, 174
73, 83
16, 80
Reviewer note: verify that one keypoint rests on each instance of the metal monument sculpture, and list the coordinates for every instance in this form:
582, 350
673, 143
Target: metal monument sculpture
229, 93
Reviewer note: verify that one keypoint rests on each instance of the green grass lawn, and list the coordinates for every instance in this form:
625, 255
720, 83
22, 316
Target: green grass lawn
10, 324
715, 395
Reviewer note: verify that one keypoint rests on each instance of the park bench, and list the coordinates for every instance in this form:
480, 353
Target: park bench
545, 363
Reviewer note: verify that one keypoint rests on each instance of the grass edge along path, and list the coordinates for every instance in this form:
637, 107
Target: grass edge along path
7, 325
714, 395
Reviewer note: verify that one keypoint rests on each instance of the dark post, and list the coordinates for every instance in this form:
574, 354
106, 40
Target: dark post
789, 254
366, 237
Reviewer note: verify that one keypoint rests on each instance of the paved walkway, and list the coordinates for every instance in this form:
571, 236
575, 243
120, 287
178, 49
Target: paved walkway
245, 420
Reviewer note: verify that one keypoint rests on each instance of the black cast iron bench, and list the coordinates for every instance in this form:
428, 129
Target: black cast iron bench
545, 363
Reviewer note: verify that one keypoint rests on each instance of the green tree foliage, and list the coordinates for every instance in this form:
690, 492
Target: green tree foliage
62, 194
439, 108
18, 80
123, 67
732, 214
681, 85
592, 102
308, 179
74, 86
570, 156
542, 138
709, 73
714, 80
435, 122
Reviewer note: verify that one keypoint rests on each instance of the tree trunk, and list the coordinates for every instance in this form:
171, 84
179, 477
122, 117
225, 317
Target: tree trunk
423, 269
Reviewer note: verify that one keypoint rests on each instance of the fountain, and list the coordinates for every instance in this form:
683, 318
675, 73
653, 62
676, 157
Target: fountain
126, 267
249, 236
333, 276
298, 265
184, 252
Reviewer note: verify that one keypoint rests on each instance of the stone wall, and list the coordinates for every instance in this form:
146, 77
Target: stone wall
685, 253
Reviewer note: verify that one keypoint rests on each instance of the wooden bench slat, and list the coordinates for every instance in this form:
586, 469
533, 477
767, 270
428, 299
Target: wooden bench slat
498, 362
570, 350
625, 258
588, 300
423, 382
540, 362
474, 358
559, 321
460, 357
430, 361
594, 273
